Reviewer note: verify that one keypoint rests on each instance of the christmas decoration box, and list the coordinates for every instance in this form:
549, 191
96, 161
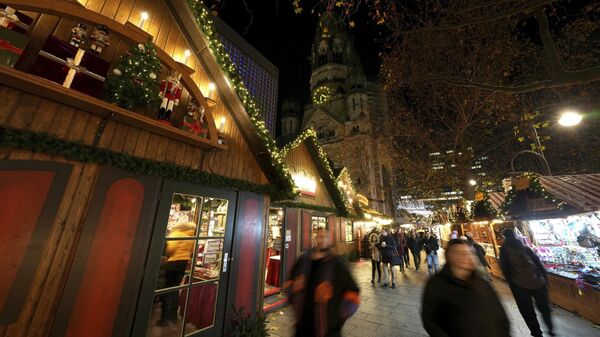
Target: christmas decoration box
57, 58
12, 45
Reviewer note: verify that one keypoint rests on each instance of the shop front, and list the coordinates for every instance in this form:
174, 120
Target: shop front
553, 214
323, 203
116, 223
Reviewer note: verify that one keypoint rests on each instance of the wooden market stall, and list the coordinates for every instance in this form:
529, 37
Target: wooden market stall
325, 201
112, 218
551, 212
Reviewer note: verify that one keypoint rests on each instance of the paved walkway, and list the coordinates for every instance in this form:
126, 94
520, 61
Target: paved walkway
396, 312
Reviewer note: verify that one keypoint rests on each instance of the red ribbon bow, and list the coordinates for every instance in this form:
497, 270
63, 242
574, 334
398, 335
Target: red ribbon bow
194, 128
6, 45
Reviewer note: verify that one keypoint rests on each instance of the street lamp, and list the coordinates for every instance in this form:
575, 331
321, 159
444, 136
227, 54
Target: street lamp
570, 118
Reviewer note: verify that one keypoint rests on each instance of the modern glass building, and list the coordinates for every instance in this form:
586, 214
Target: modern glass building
260, 76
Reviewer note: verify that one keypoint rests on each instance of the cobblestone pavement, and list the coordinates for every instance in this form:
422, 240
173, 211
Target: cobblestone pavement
396, 312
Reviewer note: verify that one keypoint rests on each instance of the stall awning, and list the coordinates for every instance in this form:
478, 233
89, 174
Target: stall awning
581, 191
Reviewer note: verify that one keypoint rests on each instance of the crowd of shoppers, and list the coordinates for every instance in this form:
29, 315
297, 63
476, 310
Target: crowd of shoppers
458, 300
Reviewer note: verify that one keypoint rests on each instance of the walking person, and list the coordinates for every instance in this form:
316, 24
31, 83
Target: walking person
406, 250
375, 256
528, 281
400, 244
431, 246
323, 293
387, 247
480, 252
414, 246
457, 302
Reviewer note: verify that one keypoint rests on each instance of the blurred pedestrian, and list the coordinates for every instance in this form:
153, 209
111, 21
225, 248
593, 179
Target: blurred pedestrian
480, 252
387, 248
406, 251
413, 245
431, 246
323, 293
400, 244
457, 302
375, 256
528, 280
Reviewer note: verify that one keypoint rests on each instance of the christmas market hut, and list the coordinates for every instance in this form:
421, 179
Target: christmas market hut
135, 172
559, 219
324, 201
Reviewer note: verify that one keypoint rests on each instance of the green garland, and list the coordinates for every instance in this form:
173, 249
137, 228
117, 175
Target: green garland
77, 151
222, 58
484, 206
304, 205
535, 186
311, 135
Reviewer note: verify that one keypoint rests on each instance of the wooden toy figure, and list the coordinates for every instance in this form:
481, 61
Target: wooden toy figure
170, 91
99, 39
8, 17
78, 35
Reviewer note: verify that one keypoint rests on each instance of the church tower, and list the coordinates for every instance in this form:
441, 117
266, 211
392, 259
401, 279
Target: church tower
290, 118
347, 111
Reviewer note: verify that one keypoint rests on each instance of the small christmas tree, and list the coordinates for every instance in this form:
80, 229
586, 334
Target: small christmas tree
134, 81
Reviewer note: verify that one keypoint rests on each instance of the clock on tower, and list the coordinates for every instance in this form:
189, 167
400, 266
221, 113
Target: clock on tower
321, 95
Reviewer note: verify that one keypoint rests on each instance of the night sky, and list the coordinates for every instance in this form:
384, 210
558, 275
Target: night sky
285, 39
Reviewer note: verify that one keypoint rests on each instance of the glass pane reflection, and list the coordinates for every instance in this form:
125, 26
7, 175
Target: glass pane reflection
201, 307
183, 215
214, 217
166, 317
208, 260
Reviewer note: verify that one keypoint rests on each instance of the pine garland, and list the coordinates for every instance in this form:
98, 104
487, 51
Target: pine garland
483, 209
311, 135
535, 188
222, 58
304, 205
77, 151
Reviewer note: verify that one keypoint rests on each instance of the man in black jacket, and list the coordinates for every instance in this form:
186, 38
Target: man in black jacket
387, 247
414, 246
528, 280
459, 303
431, 246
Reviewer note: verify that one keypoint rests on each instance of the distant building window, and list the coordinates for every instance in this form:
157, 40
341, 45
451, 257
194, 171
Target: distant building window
326, 134
355, 130
349, 231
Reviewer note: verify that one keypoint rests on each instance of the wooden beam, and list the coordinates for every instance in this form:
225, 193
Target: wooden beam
44, 88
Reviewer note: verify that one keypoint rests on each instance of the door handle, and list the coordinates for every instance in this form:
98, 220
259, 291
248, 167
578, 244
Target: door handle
225, 261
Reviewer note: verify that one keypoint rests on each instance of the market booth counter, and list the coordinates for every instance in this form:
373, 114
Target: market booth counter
552, 213
124, 220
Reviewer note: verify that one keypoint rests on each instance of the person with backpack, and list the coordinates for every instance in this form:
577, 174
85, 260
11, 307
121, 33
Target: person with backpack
528, 280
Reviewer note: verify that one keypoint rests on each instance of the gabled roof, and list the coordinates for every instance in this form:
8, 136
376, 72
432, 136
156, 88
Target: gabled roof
581, 192
309, 138
196, 23
320, 110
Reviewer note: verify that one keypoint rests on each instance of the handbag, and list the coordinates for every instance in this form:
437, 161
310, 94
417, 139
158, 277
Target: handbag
395, 259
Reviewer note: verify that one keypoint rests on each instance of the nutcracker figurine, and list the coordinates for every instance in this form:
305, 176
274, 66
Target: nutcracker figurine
99, 39
78, 35
8, 17
170, 91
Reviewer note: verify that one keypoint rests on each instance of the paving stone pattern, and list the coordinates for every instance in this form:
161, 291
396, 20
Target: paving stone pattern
396, 312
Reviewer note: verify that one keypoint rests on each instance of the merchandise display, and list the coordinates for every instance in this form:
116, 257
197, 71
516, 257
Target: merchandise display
555, 241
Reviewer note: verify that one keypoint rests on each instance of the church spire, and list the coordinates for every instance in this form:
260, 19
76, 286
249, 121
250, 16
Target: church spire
331, 44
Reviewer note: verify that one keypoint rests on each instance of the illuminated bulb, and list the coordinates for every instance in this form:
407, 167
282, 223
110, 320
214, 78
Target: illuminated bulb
472, 182
570, 118
222, 125
143, 17
186, 55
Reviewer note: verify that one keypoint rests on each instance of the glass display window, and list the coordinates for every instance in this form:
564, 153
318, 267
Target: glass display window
349, 227
555, 242
190, 269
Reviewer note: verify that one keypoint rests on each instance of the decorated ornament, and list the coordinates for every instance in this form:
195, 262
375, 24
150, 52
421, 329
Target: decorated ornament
521, 183
78, 35
170, 92
141, 47
100, 38
8, 17
152, 76
117, 72
193, 120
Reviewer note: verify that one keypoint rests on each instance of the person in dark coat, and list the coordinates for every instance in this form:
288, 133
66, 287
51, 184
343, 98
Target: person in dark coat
414, 246
400, 244
528, 280
406, 251
457, 302
322, 291
431, 246
387, 247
